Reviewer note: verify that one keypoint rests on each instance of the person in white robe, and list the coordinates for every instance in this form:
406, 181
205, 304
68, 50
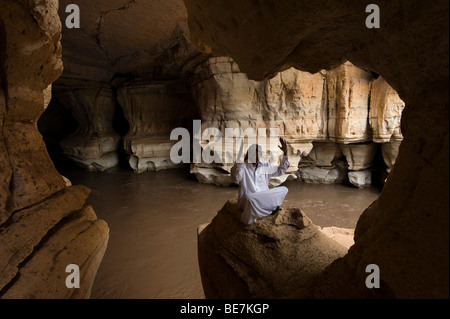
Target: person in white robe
256, 200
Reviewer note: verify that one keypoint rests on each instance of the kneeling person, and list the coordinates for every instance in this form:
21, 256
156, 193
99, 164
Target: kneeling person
253, 176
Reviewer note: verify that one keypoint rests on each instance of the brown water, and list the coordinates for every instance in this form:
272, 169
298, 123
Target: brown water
153, 219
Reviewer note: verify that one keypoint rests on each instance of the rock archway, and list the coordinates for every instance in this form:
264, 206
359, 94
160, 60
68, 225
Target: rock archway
405, 232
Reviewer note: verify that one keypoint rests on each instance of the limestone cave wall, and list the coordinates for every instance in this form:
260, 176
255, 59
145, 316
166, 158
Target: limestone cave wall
334, 121
153, 77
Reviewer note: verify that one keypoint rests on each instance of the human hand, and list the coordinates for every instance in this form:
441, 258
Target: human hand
283, 146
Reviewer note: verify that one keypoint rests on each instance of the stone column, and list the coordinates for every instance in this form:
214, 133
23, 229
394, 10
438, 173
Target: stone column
348, 103
153, 110
292, 102
386, 109
45, 225
324, 164
93, 146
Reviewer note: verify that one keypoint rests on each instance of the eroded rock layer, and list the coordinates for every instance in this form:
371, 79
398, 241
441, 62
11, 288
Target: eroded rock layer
153, 110
43, 224
314, 113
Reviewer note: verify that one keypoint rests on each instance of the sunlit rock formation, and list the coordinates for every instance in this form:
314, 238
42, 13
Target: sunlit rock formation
329, 109
386, 109
348, 103
292, 102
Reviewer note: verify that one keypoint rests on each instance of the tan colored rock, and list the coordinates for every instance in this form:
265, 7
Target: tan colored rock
30, 182
268, 259
93, 146
41, 219
34, 200
343, 236
28, 33
153, 110
360, 179
322, 175
323, 153
212, 176
47, 96
44, 275
295, 153
298, 99
359, 156
386, 109
348, 104
292, 102
279, 180
67, 181
147, 38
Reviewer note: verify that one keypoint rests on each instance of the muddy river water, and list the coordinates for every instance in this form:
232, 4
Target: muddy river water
153, 219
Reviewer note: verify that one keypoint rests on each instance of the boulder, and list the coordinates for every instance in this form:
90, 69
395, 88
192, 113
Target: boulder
271, 258
359, 156
360, 178
343, 236
323, 153
212, 175
322, 175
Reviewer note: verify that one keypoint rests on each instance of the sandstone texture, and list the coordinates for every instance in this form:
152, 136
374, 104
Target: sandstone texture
386, 109
322, 175
152, 47
405, 232
271, 258
145, 43
348, 102
343, 236
324, 117
292, 103
138, 38
153, 110
44, 225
